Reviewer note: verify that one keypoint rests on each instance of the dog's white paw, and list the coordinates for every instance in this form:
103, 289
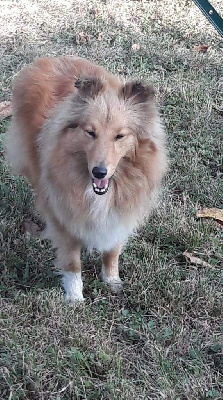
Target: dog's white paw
72, 300
73, 286
114, 282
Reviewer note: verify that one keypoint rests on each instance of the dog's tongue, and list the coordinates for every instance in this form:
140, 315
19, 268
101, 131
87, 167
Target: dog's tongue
100, 183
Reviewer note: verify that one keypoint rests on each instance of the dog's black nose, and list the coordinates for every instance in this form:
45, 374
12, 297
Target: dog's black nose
99, 172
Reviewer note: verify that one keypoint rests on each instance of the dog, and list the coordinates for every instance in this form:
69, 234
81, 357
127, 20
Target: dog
93, 149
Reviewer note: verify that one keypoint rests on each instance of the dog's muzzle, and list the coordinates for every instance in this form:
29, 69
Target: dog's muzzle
100, 183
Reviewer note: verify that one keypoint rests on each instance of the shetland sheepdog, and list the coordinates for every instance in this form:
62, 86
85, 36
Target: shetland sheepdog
93, 148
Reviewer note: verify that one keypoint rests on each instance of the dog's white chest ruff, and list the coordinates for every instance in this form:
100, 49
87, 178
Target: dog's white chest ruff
105, 235
104, 228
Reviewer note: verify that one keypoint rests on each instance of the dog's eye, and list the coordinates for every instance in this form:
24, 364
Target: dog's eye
72, 125
92, 134
119, 137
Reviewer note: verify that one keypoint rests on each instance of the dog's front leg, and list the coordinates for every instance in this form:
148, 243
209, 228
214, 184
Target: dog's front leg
110, 269
69, 263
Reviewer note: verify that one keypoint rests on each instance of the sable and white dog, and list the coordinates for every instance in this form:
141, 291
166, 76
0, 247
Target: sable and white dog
93, 149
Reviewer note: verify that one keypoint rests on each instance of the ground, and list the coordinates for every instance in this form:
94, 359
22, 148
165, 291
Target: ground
162, 339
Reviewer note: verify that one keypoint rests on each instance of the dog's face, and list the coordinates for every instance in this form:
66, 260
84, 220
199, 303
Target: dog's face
108, 128
104, 146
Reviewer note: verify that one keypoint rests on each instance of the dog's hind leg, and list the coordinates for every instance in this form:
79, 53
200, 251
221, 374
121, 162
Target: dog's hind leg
110, 269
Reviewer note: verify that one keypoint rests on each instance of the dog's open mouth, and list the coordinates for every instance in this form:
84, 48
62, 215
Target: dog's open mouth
100, 186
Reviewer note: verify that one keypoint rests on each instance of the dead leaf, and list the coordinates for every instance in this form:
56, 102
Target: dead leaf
95, 12
5, 109
196, 260
99, 36
215, 213
31, 228
82, 37
202, 48
135, 47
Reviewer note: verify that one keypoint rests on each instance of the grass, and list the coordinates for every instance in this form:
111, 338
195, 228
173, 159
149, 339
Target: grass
162, 339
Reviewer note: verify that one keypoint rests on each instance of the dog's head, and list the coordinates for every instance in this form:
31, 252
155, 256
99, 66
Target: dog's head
107, 124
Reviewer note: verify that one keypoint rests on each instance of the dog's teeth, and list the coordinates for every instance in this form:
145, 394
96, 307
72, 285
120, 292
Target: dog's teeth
99, 190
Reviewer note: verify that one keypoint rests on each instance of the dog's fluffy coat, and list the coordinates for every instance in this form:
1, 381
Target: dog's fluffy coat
70, 116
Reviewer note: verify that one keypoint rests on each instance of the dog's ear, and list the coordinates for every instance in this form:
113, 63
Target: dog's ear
137, 92
89, 87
